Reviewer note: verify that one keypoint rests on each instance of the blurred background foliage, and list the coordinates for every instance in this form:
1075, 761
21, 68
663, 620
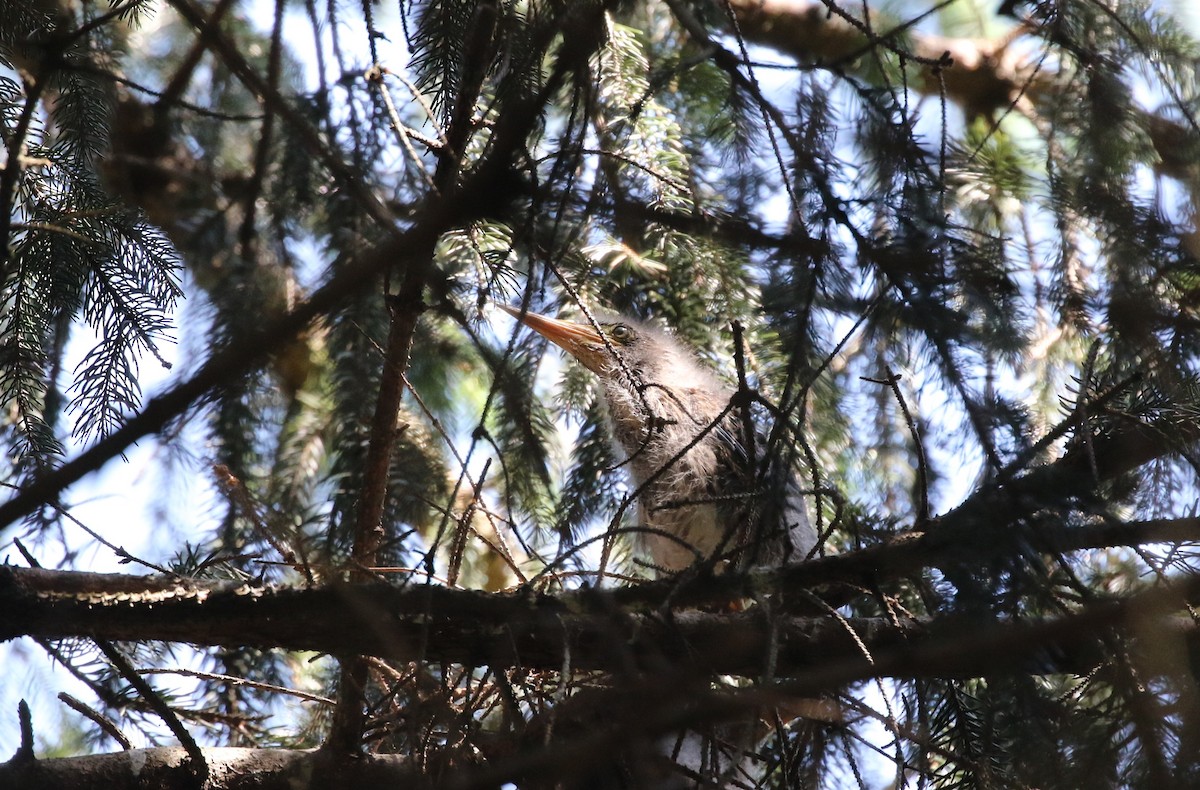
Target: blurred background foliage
996, 202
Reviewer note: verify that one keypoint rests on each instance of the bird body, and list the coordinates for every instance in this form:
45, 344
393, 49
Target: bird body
674, 463
698, 497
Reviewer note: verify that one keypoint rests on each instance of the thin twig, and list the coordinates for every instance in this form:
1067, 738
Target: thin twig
12, 171
197, 763
239, 681
404, 135
247, 233
25, 750
119, 551
99, 719
893, 381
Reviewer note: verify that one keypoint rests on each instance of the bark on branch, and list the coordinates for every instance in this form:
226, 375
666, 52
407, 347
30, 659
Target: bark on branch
943, 649
608, 629
980, 75
232, 769
511, 630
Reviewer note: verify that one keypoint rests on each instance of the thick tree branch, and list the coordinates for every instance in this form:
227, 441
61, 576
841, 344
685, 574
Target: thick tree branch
232, 769
1000, 521
229, 53
485, 191
667, 706
233, 360
996, 522
523, 630
980, 75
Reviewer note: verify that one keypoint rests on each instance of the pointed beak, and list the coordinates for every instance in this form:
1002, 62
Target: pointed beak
578, 340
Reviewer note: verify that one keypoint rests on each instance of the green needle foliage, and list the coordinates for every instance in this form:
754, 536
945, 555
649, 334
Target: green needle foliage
947, 254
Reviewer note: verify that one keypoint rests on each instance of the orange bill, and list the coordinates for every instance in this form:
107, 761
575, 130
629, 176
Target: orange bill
578, 340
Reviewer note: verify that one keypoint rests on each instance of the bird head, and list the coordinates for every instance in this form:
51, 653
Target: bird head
650, 378
639, 347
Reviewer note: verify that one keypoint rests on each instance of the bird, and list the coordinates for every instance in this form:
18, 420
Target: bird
701, 497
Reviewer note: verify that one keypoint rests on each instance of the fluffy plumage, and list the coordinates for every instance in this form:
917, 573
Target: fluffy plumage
697, 494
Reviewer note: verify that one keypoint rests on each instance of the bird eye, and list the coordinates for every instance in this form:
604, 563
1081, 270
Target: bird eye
621, 333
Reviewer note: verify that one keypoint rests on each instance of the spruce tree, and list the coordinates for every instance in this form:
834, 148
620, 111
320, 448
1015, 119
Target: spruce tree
946, 253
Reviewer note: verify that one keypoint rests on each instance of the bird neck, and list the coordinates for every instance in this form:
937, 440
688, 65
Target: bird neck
665, 416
